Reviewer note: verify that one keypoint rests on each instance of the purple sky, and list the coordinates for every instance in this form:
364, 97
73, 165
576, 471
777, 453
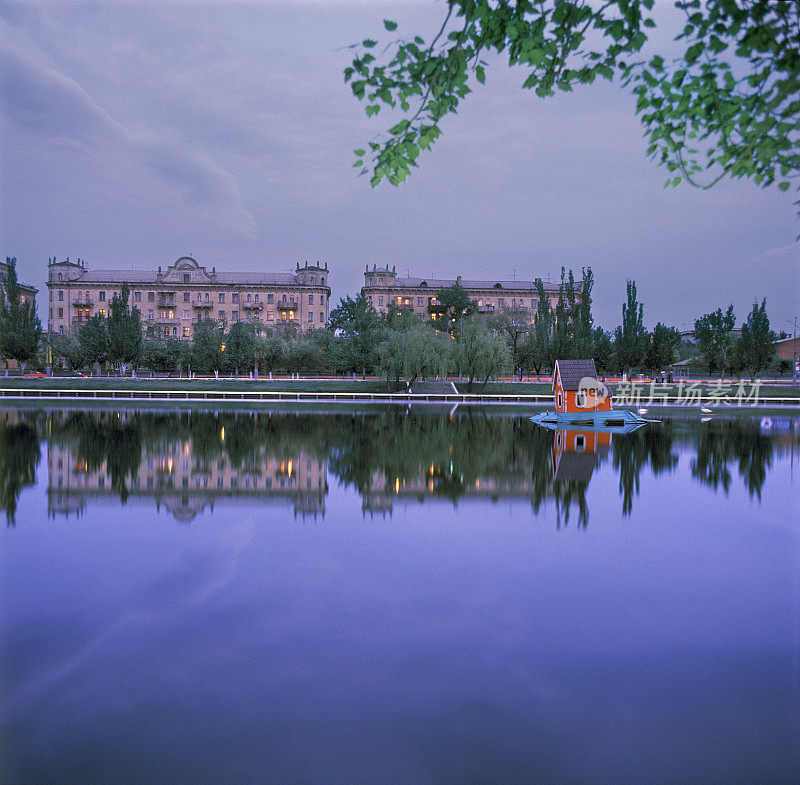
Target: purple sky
135, 133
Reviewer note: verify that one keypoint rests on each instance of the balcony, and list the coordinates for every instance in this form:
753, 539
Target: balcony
288, 305
165, 320
79, 319
485, 309
203, 306
165, 302
252, 306
87, 303
436, 308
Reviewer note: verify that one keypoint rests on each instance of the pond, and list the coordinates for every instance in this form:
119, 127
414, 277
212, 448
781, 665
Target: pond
397, 595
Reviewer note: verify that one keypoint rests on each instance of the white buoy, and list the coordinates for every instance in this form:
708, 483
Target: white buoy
707, 411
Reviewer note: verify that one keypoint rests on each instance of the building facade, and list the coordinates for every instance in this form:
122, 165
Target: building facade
384, 287
172, 301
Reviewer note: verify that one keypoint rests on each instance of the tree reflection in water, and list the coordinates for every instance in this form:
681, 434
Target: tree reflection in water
19, 457
387, 455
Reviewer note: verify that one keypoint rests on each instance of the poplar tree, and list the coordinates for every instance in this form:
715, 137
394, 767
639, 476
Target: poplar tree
20, 328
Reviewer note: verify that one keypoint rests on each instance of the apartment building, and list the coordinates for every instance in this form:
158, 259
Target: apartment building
174, 299
384, 287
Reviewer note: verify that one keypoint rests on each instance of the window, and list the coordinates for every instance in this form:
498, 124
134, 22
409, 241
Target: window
322, 318
186, 332
60, 313
419, 301
235, 316
380, 301
399, 300
235, 297
269, 316
151, 297
311, 317
256, 298
206, 297
150, 313
283, 316
222, 297
60, 295
311, 299
172, 314
184, 314
514, 302
322, 280
137, 297
171, 296
101, 296
186, 297
59, 277
248, 297
187, 278
221, 315
533, 303
480, 303
102, 313
61, 329
270, 298
51, 294
51, 314
322, 299
291, 314
501, 302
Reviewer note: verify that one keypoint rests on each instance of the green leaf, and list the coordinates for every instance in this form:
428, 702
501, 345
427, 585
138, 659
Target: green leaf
784, 186
389, 25
360, 153
399, 128
369, 43
693, 52
480, 74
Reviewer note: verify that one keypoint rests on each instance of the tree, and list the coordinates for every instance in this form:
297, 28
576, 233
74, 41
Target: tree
93, 338
358, 322
20, 328
733, 90
480, 352
239, 347
603, 350
540, 348
453, 303
270, 351
68, 348
630, 338
662, 346
757, 343
207, 351
415, 352
715, 338
124, 332
516, 323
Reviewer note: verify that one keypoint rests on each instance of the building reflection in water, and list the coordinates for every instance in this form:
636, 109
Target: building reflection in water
189, 462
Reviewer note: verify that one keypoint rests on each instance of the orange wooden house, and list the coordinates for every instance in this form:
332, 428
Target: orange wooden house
576, 388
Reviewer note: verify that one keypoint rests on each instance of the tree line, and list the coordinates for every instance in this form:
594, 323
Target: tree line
398, 344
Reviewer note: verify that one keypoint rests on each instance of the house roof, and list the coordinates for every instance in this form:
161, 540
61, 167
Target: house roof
134, 277
408, 282
572, 371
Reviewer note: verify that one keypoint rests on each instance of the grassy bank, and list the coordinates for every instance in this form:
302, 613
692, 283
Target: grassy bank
333, 385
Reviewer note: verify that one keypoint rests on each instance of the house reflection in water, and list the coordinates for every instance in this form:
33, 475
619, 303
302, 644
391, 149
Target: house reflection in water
576, 453
185, 484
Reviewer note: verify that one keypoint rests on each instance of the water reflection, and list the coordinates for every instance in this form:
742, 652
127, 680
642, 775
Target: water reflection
19, 457
186, 462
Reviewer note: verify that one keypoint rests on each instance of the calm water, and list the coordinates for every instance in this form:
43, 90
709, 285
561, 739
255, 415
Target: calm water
397, 597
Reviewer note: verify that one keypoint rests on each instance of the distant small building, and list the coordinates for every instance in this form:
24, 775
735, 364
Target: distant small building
572, 396
788, 348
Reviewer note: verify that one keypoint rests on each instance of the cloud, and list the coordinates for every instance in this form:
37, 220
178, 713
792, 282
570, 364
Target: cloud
783, 249
41, 100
